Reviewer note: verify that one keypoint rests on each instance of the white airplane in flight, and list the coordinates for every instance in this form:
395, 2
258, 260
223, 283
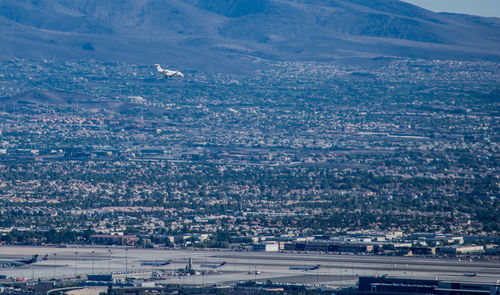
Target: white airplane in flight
168, 73
21, 262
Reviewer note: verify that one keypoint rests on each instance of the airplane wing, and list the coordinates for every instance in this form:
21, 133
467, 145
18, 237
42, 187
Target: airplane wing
22, 262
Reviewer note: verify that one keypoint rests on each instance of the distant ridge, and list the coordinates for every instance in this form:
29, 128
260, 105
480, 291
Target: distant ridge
71, 100
215, 33
52, 97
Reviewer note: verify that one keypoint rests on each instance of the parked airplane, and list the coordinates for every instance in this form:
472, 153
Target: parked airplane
214, 266
168, 73
21, 262
155, 263
304, 268
470, 274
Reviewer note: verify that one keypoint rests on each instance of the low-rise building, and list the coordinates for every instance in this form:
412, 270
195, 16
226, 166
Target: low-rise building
128, 240
267, 247
456, 250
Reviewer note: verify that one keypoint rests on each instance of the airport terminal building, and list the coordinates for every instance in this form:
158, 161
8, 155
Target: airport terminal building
403, 286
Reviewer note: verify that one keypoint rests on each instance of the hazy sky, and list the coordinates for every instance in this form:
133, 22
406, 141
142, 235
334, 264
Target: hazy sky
475, 7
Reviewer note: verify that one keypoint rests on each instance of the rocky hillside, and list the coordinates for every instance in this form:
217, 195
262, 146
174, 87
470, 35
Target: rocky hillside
236, 33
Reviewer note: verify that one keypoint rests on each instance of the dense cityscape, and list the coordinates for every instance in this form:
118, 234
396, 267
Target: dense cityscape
398, 157
299, 149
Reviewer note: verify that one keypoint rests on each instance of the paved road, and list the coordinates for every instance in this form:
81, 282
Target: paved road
334, 269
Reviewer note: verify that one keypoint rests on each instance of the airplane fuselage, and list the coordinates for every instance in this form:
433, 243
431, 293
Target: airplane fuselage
168, 73
21, 262
304, 268
155, 263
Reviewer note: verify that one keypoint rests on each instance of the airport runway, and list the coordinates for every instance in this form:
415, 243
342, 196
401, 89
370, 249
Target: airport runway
334, 270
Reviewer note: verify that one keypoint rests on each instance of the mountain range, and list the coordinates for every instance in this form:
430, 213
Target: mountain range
211, 34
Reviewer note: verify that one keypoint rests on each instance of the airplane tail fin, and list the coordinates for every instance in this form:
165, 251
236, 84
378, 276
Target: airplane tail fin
223, 263
46, 257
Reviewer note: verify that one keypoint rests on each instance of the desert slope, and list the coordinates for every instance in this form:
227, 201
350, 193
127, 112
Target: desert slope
236, 33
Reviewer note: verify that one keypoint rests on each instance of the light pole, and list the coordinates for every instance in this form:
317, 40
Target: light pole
109, 261
76, 263
55, 256
341, 270
93, 261
126, 259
